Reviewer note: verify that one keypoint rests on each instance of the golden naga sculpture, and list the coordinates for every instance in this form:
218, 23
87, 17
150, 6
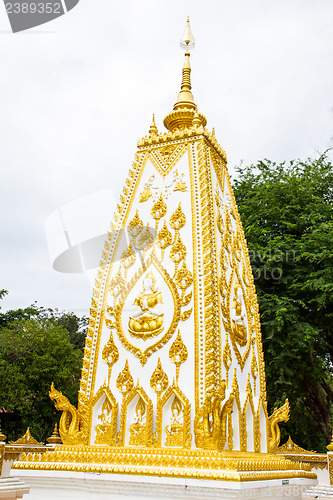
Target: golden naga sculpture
210, 424
70, 425
274, 434
147, 319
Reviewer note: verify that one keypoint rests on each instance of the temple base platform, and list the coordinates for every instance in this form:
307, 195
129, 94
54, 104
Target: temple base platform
101, 472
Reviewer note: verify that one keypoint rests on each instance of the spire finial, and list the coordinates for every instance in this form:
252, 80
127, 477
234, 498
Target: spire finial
153, 129
185, 107
187, 41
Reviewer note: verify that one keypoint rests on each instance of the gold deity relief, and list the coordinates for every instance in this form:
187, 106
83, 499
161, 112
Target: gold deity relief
138, 429
173, 420
143, 317
147, 189
175, 430
239, 330
146, 320
177, 182
106, 429
239, 324
137, 409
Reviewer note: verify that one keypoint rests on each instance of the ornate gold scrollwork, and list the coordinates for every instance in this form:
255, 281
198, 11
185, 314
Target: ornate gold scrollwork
178, 353
125, 382
164, 239
159, 379
110, 355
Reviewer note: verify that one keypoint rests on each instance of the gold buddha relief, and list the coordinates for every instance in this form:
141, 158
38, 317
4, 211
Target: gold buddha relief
138, 429
238, 317
175, 430
146, 320
104, 430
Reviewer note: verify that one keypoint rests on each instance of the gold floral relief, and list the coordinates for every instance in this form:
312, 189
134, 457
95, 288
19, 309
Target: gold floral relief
159, 379
125, 382
178, 353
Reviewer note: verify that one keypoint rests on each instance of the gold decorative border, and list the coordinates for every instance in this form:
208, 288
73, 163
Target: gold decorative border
165, 166
211, 304
167, 462
197, 288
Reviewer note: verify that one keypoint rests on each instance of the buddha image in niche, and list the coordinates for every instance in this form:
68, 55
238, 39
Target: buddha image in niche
238, 317
146, 320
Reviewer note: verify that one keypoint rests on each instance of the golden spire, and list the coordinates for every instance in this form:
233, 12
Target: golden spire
185, 108
153, 129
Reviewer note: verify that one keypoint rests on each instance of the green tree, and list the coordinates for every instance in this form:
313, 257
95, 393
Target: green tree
36, 349
287, 215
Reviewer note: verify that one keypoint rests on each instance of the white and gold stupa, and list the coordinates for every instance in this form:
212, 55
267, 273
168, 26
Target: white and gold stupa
173, 377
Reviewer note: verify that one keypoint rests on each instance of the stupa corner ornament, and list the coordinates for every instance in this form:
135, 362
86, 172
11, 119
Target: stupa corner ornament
173, 356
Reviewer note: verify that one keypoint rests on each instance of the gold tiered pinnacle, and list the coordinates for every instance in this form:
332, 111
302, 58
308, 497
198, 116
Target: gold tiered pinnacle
185, 108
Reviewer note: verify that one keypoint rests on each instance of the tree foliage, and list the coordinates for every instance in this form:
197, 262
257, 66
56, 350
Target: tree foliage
38, 346
287, 215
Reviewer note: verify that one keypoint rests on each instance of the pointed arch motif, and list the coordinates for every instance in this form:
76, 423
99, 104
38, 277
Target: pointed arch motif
106, 430
185, 440
260, 443
139, 431
249, 424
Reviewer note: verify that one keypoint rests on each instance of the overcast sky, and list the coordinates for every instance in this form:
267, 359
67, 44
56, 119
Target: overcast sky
77, 93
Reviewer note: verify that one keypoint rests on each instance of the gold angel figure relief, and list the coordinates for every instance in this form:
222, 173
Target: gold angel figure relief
175, 431
139, 427
146, 193
238, 317
147, 319
104, 431
177, 182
